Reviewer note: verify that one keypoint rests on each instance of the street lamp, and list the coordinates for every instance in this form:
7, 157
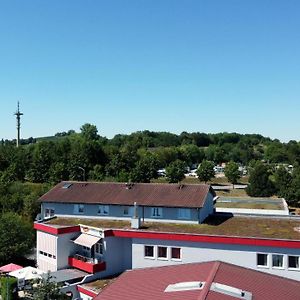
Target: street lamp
83, 170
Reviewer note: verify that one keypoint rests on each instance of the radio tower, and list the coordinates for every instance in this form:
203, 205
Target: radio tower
18, 115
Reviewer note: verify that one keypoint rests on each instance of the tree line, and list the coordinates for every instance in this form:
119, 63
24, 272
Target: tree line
137, 156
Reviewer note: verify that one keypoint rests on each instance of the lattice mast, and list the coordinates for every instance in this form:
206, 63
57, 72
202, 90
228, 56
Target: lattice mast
18, 115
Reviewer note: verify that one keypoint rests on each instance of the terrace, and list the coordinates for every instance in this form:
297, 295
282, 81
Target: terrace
256, 227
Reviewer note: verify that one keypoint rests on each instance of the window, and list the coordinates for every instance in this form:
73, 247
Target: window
47, 254
103, 210
184, 213
262, 260
293, 262
85, 248
126, 210
49, 212
162, 252
277, 261
99, 248
78, 208
149, 251
66, 185
175, 253
156, 212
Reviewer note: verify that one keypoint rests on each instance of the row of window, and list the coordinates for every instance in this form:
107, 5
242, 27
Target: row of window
98, 248
47, 254
162, 252
278, 261
156, 212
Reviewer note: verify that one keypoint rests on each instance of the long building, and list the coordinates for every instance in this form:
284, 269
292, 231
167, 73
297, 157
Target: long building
102, 229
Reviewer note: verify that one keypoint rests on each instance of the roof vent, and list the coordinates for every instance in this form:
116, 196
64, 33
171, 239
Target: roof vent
129, 185
230, 291
66, 185
185, 286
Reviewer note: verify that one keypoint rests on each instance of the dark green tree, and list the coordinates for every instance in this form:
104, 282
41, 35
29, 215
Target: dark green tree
97, 173
175, 171
206, 171
260, 184
232, 172
89, 131
47, 289
282, 181
145, 170
16, 237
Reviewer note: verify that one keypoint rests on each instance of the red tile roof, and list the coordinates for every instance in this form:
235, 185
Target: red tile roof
150, 283
147, 194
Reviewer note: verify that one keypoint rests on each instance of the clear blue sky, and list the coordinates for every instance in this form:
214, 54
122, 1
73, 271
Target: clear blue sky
163, 65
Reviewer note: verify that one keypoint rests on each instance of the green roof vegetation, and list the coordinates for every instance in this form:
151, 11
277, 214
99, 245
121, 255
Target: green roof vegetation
216, 225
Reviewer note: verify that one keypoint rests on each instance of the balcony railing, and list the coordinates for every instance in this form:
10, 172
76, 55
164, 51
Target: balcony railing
87, 264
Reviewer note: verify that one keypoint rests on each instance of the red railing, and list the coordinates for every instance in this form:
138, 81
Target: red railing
86, 265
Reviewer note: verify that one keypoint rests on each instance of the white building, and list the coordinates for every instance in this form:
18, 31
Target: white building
93, 232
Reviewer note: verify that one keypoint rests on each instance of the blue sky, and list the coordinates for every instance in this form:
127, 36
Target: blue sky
163, 65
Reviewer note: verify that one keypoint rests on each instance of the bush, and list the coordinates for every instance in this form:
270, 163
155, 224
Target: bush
9, 290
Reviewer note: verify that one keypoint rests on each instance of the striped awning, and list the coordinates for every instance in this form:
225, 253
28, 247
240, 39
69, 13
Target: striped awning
87, 240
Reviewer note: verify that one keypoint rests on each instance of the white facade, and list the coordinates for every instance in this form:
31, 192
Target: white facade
244, 256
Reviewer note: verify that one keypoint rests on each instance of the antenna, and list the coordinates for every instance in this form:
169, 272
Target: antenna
18, 115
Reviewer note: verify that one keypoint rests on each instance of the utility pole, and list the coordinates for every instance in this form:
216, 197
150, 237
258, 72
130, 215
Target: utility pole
18, 115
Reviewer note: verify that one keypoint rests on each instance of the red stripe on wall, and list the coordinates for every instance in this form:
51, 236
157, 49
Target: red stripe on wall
55, 230
206, 239
86, 291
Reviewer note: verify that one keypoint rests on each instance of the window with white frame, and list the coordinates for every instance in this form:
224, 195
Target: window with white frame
49, 212
277, 261
99, 248
78, 208
184, 213
175, 253
148, 251
162, 252
262, 259
293, 262
103, 210
156, 212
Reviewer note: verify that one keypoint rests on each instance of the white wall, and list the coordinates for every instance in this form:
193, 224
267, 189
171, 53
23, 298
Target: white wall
244, 256
117, 255
59, 246
47, 243
65, 248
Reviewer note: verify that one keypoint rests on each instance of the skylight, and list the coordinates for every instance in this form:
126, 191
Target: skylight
185, 286
66, 185
230, 291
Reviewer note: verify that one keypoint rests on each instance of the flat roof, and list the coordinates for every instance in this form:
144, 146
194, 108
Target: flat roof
255, 227
98, 285
66, 275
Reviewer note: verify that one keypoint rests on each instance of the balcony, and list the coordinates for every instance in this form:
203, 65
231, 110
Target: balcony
87, 264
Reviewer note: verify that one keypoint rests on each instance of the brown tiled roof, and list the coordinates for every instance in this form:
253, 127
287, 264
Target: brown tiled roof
150, 283
147, 194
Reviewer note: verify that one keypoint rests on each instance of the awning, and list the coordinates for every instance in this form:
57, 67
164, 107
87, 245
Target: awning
87, 240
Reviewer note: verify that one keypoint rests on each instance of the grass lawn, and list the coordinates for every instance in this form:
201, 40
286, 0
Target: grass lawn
214, 225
